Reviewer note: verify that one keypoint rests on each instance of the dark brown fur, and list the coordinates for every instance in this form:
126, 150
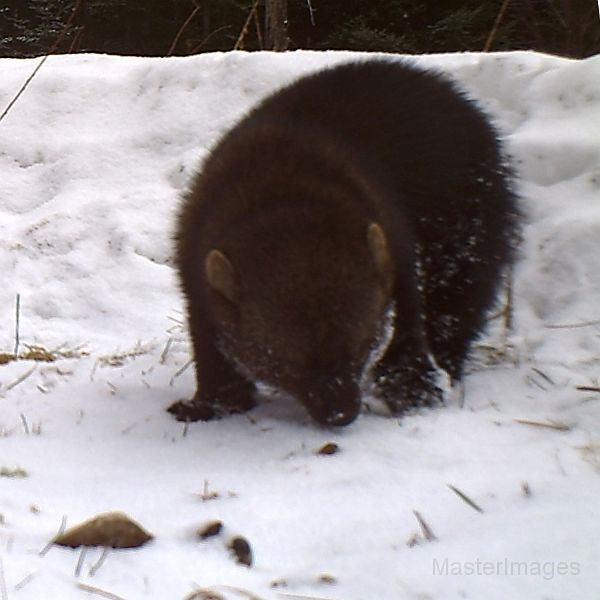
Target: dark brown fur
362, 188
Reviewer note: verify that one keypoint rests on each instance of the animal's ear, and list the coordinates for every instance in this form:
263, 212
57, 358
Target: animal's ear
220, 275
378, 246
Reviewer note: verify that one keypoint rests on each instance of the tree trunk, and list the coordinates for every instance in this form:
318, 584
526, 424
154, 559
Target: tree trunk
205, 19
276, 25
581, 27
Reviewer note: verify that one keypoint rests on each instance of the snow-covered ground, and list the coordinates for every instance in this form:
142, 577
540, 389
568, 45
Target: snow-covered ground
93, 158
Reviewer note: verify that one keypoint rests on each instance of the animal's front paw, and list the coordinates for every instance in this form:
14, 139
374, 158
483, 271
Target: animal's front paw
408, 387
193, 410
231, 399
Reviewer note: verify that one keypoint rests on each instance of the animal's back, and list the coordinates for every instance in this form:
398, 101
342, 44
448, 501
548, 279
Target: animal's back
412, 126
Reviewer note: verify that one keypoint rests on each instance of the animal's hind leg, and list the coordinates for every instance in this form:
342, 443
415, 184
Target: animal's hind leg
457, 297
404, 376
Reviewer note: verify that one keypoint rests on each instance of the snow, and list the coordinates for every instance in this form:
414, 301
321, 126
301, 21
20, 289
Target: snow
93, 158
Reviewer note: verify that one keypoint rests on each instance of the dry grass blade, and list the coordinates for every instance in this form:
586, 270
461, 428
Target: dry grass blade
543, 375
466, 498
591, 454
573, 325
39, 353
118, 359
239, 591
165, 352
311, 12
80, 560
90, 589
303, 597
76, 352
23, 87
180, 371
546, 424
16, 473
426, 530
206, 494
61, 529
17, 323
96, 566
204, 594
6, 357
3, 591
24, 582
21, 379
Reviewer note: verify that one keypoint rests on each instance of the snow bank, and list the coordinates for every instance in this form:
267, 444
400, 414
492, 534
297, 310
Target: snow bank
93, 158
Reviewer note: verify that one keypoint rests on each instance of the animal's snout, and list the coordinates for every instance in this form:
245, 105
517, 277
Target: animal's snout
341, 418
333, 401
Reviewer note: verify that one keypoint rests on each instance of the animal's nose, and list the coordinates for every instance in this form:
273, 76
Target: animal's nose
341, 418
334, 401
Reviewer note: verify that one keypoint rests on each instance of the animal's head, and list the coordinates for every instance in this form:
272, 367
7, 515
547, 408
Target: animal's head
301, 308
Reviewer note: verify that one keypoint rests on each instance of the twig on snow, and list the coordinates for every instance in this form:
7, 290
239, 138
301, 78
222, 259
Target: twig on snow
425, 529
165, 352
17, 323
543, 375
547, 424
465, 498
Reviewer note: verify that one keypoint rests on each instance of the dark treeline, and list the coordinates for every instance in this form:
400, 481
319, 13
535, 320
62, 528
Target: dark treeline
161, 27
